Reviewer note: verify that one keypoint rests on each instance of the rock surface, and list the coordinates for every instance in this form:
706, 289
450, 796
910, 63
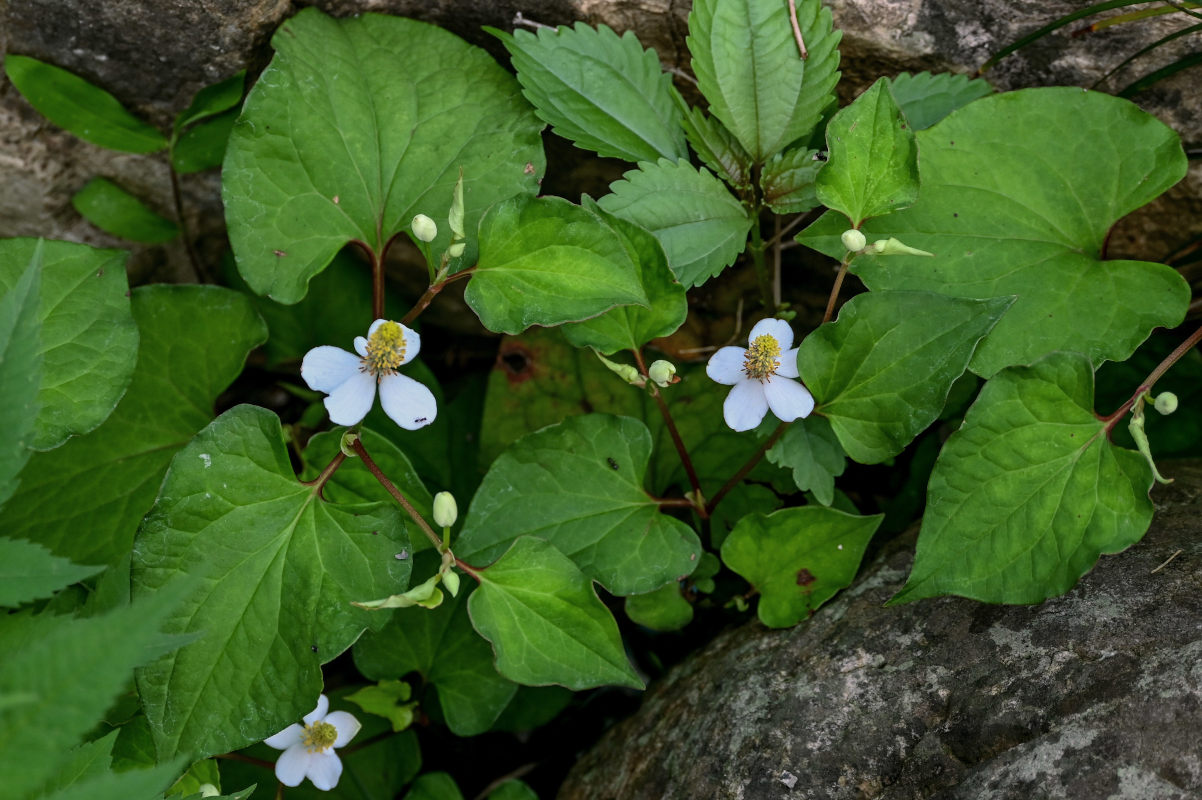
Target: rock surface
154, 54
1097, 694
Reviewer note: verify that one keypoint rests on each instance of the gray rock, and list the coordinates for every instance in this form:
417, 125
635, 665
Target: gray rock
1097, 694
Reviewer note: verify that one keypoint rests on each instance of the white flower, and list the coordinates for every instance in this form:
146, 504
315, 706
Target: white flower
350, 380
760, 375
309, 749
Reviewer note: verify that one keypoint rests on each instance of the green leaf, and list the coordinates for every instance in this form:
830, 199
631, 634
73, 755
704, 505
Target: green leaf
29, 572
631, 327
1029, 492
77, 106
545, 621
202, 146
798, 558
926, 98
194, 340
512, 790
664, 609
873, 163
701, 226
533, 707
20, 372
142, 784
579, 486
750, 70
810, 448
278, 568
357, 125
56, 708
110, 208
450, 655
882, 371
212, 100
603, 93
83, 763
387, 699
88, 338
1023, 209
545, 261
787, 181
717, 148
434, 786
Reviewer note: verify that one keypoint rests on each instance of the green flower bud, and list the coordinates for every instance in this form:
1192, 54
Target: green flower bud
661, 372
455, 215
1166, 403
892, 247
445, 510
456, 250
424, 228
853, 240
624, 371
451, 581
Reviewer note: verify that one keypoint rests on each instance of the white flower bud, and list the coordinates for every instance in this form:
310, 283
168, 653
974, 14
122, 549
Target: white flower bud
445, 510
1166, 403
661, 372
456, 250
853, 240
424, 228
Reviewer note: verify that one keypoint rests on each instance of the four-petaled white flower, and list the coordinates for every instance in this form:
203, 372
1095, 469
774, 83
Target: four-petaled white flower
309, 749
762, 377
350, 380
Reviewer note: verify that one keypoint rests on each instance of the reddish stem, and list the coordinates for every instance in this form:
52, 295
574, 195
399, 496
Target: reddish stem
389, 487
320, 480
1172, 358
670, 424
431, 292
830, 304
746, 468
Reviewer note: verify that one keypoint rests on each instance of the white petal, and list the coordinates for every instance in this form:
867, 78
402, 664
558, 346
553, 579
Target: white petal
318, 713
726, 365
361, 346
324, 770
778, 329
285, 738
374, 326
788, 364
409, 403
745, 406
413, 344
789, 400
346, 725
326, 368
350, 402
292, 765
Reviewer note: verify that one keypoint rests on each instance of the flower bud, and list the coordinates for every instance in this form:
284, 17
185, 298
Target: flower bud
424, 228
445, 510
892, 247
1166, 403
456, 250
853, 240
455, 214
451, 581
661, 372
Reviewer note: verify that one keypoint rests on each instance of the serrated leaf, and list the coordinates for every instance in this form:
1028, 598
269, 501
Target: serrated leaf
750, 70
701, 226
88, 338
450, 655
926, 98
787, 181
602, 92
81, 108
664, 609
545, 261
798, 558
717, 148
83, 763
631, 327
545, 621
579, 485
872, 168
30, 572
279, 568
1029, 492
194, 340
882, 371
110, 208
203, 145
810, 448
20, 371
1023, 209
357, 125
213, 100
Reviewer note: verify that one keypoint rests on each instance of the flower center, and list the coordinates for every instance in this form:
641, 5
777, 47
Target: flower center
385, 349
761, 361
319, 737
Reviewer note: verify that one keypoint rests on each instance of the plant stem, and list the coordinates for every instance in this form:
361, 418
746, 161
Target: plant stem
801, 45
431, 292
756, 248
377, 285
1172, 358
746, 468
177, 197
830, 304
396, 494
670, 424
776, 261
320, 481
